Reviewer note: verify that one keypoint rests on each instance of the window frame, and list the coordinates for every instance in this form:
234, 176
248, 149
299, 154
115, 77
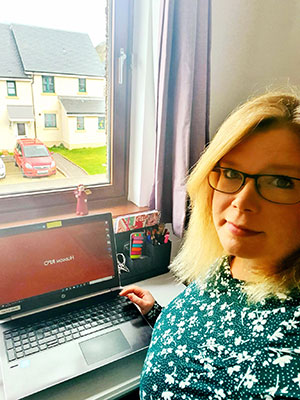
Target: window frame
53, 203
15, 88
46, 123
48, 81
81, 88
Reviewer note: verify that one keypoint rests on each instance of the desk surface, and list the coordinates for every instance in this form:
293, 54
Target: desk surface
117, 379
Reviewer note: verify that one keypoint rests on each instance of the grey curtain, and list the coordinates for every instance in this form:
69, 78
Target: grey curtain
182, 103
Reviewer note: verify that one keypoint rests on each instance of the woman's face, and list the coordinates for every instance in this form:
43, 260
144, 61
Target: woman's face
249, 226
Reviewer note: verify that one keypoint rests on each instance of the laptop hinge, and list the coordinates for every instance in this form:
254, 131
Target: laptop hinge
64, 303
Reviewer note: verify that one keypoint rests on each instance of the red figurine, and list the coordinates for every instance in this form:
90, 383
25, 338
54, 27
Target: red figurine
81, 196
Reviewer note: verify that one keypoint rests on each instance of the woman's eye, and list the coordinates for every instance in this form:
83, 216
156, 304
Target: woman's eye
231, 174
282, 182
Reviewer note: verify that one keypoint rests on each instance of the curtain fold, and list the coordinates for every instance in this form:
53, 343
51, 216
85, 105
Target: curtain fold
182, 103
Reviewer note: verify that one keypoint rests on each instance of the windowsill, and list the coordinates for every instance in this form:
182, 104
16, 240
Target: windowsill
48, 94
12, 97
117, 208
82, 93
49, 128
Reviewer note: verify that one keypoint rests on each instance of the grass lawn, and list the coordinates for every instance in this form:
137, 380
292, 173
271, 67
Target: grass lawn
92, 159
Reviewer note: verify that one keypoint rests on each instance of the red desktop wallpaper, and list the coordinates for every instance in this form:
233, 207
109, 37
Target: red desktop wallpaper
52, 259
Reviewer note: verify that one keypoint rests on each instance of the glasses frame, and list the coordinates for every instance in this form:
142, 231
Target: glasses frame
251, 176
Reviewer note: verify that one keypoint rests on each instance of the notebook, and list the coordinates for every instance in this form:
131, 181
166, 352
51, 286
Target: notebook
60, 311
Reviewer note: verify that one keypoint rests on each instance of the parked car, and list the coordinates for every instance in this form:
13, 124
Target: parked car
34, 158
2, 169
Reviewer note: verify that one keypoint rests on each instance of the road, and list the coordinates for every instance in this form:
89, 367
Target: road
68, 174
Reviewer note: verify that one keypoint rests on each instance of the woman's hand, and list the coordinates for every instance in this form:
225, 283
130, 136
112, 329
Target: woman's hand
141, 297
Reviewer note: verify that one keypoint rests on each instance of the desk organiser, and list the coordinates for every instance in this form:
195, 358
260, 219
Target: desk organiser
154, 260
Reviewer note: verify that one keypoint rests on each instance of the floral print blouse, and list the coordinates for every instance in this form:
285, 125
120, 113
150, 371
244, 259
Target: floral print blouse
210, 343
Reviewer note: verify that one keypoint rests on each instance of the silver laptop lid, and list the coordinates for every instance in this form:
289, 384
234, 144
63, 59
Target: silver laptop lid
49, 263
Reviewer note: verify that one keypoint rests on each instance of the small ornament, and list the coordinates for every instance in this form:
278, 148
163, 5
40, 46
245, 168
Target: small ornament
81, 195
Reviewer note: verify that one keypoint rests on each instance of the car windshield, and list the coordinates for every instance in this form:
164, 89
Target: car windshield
35, 151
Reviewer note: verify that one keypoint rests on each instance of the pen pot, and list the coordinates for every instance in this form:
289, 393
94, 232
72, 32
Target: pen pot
160, 256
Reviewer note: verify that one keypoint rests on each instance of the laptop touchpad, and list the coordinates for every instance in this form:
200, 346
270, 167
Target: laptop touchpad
104, 346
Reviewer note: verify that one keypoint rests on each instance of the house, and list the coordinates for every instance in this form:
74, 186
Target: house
52, 86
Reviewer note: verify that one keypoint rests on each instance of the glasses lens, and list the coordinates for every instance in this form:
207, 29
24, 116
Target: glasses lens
225, 180
279, 189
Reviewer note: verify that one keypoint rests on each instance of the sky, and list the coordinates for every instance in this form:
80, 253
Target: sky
87, 16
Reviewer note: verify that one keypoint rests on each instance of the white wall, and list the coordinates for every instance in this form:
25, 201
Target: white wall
255, 46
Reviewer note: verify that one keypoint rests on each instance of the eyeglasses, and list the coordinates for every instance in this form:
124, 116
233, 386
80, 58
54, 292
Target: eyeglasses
279, 189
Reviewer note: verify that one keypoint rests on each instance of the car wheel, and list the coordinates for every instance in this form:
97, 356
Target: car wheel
24, 176
16, 164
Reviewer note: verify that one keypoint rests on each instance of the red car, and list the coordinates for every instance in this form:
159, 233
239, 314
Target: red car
34, 158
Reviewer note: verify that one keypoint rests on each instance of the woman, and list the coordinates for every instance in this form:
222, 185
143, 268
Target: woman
234, 332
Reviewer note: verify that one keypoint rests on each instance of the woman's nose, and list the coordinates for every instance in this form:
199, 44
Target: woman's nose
247, 199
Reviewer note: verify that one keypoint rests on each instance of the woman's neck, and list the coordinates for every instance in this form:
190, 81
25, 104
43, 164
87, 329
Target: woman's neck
248, 270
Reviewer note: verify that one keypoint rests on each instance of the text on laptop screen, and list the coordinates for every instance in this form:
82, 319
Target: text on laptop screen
54, 258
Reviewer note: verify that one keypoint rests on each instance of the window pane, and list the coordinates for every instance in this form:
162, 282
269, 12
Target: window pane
48, 84
101, 123
80, 123
50, 120
21, 129
99, 31
82, 85
11, 88
65, 50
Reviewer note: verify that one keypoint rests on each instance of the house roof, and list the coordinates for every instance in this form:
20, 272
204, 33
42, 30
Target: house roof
10, 62
20, 113
52, 51
85, 105
55, 51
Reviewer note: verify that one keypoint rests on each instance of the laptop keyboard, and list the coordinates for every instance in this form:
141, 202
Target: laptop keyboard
29, 339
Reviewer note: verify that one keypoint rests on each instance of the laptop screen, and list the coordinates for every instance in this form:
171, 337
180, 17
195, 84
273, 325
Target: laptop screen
47, 263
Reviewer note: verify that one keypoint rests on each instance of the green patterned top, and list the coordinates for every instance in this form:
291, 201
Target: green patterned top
209, 343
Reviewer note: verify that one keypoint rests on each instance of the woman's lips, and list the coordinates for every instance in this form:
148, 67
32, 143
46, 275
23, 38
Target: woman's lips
241, 230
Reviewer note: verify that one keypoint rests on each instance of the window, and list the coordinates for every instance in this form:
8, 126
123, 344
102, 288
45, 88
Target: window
82, 84
51, 197
48, 84
21, 129
11, 88
50, 120
80, 123
101, 122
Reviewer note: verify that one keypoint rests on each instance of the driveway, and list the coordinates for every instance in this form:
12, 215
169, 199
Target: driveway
67, 175
67, 167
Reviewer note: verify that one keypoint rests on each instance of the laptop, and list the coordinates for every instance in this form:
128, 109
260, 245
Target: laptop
60, 311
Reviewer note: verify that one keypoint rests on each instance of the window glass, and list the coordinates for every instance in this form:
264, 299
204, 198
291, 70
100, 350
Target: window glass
50, 120
35, 151
21, 129
82, 84
48, 84
11, 88
48, 59
101, 123
80, 123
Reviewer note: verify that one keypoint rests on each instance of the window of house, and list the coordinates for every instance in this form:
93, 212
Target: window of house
48, 84
21, 129
80, 123
102, 61
101, 122
82, 84
50, 120
11, 88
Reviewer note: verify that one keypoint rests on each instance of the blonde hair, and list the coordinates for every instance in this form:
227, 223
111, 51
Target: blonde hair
201, 245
